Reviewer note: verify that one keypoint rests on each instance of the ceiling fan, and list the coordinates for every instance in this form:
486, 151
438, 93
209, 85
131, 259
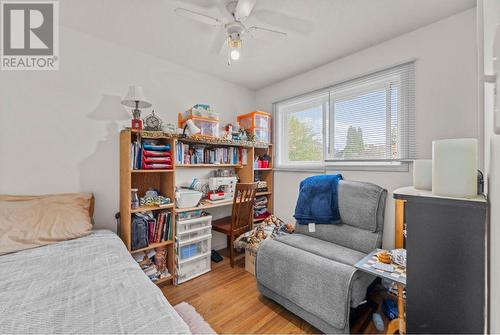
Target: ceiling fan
232, 23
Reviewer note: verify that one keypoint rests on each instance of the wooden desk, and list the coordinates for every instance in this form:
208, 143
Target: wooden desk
204, 205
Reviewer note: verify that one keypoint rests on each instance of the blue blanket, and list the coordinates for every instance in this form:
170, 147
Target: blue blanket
318, 201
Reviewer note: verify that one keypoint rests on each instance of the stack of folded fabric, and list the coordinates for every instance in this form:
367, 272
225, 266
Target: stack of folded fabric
156, 156
260, 208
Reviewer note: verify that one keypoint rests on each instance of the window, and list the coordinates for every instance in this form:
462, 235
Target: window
362, 122
301, 131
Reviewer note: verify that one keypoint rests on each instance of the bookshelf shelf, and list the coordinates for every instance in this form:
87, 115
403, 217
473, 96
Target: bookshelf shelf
163, 280
205, 205
164, 180
263, 169
152, 246
151, 171
151, 208
236, 166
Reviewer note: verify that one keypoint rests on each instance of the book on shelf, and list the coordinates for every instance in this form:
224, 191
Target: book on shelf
135, 155
187, 154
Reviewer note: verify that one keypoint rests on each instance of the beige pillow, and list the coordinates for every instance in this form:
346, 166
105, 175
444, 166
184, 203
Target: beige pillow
31, 221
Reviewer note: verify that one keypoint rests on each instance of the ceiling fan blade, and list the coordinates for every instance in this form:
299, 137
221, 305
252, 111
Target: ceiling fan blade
204, 4
219, 43
221, 5
211, 21
259, 31
243, 9
283, 21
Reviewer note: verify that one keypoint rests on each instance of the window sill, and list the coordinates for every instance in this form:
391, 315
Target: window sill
401, 166
398, 166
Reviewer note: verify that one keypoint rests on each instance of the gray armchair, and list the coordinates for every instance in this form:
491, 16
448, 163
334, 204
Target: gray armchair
312, 274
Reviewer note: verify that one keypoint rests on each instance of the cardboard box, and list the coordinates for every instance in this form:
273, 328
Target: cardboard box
250, 261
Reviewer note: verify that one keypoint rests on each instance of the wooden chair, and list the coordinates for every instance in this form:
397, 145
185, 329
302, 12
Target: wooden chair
241, 219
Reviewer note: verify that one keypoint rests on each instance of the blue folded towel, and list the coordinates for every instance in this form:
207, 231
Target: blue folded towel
318, 201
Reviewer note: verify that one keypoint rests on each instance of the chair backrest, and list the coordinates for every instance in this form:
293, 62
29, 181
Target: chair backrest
242, 216
361, 207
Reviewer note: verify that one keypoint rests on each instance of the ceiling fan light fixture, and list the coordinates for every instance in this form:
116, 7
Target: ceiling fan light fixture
234, 42
235, 54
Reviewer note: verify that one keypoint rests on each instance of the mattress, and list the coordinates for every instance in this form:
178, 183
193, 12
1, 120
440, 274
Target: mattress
86, 285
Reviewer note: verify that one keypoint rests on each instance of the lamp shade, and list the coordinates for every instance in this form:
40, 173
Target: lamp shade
193, 129
136, 95
422, 174
454, 167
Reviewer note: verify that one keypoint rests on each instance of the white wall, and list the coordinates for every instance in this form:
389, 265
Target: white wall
59, 130
489, 17
445, 97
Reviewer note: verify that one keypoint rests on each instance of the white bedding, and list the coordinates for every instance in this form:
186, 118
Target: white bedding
87, 285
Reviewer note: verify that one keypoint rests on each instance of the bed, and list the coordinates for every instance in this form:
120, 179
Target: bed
87, 285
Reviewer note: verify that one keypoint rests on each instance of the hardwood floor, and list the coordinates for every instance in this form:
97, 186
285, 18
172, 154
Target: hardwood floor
229, 301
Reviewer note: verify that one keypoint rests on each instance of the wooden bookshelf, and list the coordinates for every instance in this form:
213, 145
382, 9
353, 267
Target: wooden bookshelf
266, 174
164, 180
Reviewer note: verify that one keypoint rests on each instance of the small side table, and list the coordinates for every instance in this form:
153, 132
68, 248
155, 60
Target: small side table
398, 276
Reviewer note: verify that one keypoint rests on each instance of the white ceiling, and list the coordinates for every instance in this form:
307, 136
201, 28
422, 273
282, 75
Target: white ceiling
324, 30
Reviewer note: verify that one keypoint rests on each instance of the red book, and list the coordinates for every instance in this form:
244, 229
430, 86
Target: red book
159, 228
151, 230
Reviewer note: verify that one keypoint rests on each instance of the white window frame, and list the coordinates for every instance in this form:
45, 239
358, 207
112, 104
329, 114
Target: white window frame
281, 130
329, 163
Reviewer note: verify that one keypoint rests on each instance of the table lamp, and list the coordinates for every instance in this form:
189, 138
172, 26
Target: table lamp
135, 99
193, 129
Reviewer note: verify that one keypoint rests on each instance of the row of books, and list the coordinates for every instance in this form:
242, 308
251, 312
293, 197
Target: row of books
160, 229
197, 154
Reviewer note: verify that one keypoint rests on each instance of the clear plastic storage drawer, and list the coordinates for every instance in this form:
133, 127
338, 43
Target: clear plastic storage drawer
193, 268
193, 248
193, 224
194, 234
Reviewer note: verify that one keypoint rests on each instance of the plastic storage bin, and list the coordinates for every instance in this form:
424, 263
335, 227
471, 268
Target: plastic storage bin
263, 135
208, 127
194, 234
192, 269
188, 249
193, 224
256, 119
194, 243
199, 111
188, 198
259, 123
188, 215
